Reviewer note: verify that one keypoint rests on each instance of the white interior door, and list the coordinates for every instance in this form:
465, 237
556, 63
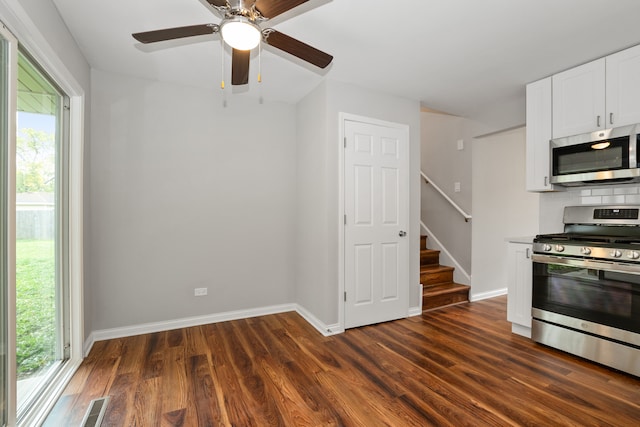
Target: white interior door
376, 201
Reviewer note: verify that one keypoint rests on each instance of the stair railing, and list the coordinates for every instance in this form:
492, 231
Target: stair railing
465, 215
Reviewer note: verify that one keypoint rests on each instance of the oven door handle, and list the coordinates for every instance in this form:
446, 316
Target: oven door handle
588, 263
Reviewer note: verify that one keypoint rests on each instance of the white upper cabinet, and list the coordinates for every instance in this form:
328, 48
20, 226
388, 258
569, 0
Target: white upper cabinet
598, 95
538, 135
579, 99
623, 88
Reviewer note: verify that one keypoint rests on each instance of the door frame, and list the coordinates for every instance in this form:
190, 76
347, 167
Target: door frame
342, 118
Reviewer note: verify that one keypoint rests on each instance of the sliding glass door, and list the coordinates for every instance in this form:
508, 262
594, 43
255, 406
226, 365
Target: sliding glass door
42, 293
34, 239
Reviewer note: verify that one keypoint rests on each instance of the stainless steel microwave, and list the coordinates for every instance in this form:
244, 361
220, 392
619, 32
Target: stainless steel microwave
603, 157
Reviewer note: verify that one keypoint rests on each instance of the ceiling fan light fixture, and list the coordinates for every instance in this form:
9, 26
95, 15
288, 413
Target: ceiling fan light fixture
240, 33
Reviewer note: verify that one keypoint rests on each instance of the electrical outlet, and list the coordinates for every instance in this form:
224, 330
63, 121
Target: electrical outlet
199, 292
456, 187
461, 144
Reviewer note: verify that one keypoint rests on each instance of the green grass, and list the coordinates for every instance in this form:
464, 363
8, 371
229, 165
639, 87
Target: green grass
35, 305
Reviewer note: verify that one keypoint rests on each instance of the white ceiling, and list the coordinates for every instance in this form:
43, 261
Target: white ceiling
457, 56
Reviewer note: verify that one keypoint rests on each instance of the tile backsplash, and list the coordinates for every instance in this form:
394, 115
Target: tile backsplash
552, 203
627, 194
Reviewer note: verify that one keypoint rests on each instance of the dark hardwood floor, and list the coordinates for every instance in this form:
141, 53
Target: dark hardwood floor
458, 366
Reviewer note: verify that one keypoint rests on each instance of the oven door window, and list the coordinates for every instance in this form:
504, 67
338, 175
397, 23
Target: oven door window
592, 157
600, 296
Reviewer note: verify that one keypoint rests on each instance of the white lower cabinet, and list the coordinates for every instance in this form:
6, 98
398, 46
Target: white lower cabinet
519, 278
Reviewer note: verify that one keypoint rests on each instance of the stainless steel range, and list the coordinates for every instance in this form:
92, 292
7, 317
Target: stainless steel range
586, 286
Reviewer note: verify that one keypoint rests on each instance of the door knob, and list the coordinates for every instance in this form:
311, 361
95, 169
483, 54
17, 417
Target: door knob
402, 233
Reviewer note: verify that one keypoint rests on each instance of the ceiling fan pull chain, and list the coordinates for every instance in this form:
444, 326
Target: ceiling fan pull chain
260, 63
224, 92
260, 98
222, 64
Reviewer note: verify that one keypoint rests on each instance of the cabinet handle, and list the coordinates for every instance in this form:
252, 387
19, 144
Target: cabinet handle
527, 253
546, 181
611, 118
598, 121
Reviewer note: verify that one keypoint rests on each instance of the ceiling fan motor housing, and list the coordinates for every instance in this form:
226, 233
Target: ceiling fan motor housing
244, 8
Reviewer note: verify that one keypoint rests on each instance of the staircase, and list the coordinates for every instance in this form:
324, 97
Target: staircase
439, 290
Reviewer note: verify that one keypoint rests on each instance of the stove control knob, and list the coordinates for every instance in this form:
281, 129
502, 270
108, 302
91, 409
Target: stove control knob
559, 248
585, 251
546, 247
633, 255
616, 253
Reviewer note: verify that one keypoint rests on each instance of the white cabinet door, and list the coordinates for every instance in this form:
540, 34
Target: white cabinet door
579, 99
538, 135
519, 277
623, 88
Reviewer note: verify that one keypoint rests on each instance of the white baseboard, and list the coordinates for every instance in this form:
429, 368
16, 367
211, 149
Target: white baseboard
417, 311
147, 328
487, 295
323, 328
88, 345
414, 311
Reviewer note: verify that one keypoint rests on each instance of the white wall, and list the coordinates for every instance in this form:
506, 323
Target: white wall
440, 157
314, 283
319, 145
187, 194
502, 208
445, 165
502, 114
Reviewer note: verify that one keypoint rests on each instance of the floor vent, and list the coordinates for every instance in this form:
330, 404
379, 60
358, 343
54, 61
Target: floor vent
95, 413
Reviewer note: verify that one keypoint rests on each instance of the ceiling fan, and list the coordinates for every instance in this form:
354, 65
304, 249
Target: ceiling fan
240, 29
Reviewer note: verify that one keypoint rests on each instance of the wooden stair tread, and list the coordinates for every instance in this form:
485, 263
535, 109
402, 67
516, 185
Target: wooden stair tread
429, 251
435, 268
443, 288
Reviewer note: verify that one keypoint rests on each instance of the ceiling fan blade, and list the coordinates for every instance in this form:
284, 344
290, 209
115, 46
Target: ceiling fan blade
296, 48
272, 8
175, 33
219, 3
240, 67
